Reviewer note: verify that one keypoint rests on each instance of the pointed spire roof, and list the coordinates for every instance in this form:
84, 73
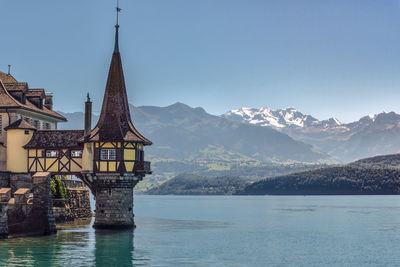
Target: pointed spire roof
115, 123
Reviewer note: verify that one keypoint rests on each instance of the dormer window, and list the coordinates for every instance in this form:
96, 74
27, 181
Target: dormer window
107, 154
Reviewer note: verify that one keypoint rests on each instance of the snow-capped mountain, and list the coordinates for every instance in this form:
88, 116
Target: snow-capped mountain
278, 119
369, 136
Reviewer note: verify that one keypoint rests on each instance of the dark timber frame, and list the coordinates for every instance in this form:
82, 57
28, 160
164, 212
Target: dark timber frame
63, 168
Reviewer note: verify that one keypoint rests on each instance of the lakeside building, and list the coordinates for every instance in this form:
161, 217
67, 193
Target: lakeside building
19, 102
109, 158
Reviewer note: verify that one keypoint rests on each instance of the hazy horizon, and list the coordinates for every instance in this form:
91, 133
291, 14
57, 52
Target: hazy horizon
327, 59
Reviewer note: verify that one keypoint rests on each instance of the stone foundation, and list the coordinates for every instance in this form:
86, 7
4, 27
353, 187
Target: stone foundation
3, 220
20, 180
22, 215
75, 206
78, 201
4, 179
43, 204
15, 180
114, 201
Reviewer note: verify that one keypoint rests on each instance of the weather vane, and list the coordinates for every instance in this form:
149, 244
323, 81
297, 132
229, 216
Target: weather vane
118, 10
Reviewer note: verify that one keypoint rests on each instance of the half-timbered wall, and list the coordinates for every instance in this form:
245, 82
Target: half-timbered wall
126, 155
55, 161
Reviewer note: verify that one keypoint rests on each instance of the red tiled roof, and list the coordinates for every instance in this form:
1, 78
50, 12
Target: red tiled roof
7, 78
7, 101
16, 86
36, 92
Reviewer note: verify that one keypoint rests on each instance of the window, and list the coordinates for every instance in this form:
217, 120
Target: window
47, 126
76, 153
139, 155
51, 153
26, 132
36, 124
107, 154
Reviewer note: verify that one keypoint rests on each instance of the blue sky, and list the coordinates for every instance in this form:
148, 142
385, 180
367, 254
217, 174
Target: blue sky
326, 58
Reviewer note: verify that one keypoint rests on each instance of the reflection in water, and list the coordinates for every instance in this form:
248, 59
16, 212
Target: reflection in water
75, 244
114, 248
55, 250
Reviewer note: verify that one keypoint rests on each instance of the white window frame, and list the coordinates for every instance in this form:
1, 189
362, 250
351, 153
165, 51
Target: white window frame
51, 153
76, 153
108, 154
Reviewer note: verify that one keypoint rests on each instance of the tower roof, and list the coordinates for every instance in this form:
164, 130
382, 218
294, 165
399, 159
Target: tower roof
7, 78
115, 122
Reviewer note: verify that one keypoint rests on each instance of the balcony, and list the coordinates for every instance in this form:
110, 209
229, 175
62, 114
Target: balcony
142, 167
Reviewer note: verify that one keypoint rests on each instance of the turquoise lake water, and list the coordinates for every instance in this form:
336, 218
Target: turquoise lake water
229, 231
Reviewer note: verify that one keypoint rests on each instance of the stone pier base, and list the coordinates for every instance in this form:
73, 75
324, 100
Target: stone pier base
23, 215
43, 218
114, 201
3, 220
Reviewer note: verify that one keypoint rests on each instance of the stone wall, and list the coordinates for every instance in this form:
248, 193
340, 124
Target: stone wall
20, 180
114, 201
78, 201
19, 212
43, 217
4, 179
77, 204
60, 214
3, 220
21, 215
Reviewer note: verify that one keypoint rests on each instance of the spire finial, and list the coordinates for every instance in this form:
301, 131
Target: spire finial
118, 10
116, 48
88, 98
9, 68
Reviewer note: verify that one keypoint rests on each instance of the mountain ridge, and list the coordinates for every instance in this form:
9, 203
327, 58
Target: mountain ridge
232, 137
182, 132
278, 118
371, 135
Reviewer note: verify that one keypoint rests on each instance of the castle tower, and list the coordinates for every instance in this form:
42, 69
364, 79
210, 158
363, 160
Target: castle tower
116, 149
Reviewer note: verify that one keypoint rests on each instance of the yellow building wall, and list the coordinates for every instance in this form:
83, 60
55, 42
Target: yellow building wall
76, 168
51, 164
87, 157
17, 156
129, 155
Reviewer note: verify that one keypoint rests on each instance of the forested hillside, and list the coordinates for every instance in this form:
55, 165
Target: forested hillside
329, 181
